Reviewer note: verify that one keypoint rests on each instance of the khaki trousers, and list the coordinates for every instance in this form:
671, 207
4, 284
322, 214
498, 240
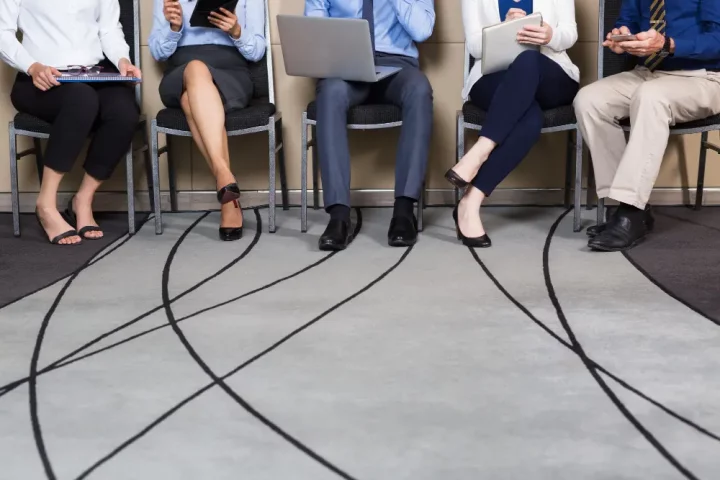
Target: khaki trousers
654, 101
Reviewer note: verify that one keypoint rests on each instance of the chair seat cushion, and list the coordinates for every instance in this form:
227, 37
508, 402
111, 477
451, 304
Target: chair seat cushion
371, 114
702, 123
556, 117
23, 121
249, 117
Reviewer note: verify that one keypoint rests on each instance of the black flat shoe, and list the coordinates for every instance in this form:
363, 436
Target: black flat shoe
475, 242
228, 193
621, 233
596, 230
230, 234
337, 236
56, 240
455, 179
71, 218
402, 232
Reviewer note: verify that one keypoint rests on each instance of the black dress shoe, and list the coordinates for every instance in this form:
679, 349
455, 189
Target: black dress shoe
230, 234
402, 232
622, 233
596, 230
337, 236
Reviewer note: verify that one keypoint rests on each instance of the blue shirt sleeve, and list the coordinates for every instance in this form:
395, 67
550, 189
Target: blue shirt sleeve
705, 46
630, 16
416, 16
252, 42
317, 8
163, 41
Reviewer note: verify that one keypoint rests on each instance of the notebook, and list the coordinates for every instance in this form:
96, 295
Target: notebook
96, 77
500, 46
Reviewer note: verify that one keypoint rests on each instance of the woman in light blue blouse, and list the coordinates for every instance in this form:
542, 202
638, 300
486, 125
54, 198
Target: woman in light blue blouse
207, 75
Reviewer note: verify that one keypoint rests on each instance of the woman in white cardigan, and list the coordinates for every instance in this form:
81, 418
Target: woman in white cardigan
514, 99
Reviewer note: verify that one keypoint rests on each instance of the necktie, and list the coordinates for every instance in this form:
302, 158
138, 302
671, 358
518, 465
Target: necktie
657, 21
369, 15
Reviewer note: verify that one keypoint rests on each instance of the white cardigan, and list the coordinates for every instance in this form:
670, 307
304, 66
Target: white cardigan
559, 14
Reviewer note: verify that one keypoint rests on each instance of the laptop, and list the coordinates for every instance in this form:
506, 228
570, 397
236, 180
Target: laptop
319, 47
500, 46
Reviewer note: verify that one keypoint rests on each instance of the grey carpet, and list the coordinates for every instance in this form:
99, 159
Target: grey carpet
31, 263
180, 357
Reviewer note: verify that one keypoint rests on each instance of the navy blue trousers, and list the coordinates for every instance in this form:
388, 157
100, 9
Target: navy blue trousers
514, 100
411, 91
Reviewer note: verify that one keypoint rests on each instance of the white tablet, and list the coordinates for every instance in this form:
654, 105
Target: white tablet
500, 46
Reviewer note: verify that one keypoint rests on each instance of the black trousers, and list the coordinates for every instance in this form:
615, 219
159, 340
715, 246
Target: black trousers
76, 110
514, 100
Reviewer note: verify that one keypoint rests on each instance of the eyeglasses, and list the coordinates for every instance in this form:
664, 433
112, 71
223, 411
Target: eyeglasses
82, 70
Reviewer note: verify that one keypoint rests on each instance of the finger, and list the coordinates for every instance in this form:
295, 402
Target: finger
538, 35
533, 28
624, 31
226, 12
137, 73
517, 10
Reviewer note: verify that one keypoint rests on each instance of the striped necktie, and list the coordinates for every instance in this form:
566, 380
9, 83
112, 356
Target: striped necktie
369, 15
657, 21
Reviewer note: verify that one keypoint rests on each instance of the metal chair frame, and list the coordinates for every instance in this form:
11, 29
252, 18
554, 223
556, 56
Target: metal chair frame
275, 138
15, 156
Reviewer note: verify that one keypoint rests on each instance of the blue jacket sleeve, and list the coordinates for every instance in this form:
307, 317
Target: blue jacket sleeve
705, 46
416, 16
252, 42
317, 8
629, 16
163, 41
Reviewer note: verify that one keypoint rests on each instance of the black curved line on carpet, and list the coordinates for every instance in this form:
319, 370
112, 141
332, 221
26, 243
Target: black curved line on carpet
596, 365
5, 389
123, 240
667, 291
578, 348
687, 220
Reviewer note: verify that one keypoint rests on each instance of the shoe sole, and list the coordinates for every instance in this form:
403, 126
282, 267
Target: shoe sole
335, 248
623, 249
399, 244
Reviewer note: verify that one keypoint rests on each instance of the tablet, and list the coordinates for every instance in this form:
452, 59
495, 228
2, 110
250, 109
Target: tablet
500, 46
203, 8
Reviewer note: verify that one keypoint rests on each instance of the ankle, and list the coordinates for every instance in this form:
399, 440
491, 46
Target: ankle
83, 198
339, 212
403, 207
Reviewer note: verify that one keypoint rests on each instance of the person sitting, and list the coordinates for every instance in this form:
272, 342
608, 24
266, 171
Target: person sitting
396, 26
56, 39
514, 100
208, 75
677, 45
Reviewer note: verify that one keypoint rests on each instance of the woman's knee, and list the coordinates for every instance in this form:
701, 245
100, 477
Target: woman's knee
196, 70
528, 59
82, 99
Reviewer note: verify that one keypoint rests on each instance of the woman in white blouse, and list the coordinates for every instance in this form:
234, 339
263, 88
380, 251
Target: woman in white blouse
514, 99
74, 35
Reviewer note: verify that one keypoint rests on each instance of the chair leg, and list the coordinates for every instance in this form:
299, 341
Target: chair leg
303, 173
701, 171
154, 177
569, 168
15, 194
281, 165
39, 161
315, 169
272, 190
577, 209
172, 174
591, 187
459, 146
421, 208
130, 180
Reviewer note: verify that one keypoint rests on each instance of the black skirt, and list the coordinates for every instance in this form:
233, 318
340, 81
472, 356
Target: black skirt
227, 66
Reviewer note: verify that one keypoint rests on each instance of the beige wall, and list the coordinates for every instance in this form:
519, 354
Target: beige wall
442, 60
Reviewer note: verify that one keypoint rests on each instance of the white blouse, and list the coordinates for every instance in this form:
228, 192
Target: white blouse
559, 14
60, 33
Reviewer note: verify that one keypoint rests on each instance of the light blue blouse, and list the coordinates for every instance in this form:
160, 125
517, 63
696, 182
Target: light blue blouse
252, 43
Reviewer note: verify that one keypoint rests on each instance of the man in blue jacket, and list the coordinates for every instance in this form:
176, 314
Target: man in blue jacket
395, 27
677, 45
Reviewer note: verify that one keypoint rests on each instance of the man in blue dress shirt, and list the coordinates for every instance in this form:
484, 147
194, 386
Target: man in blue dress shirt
397, 26
677, 45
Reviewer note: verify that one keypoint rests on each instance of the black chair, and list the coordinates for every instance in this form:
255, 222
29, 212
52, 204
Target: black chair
556, 120
260, 116
610, 63
30, 126
361, 117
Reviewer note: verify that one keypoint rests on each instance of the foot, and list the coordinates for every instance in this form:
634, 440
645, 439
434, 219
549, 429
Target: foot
54, 224
469, 221
231, 215
337, 236
468, 167
623, 232
83, 212
224, 178
403, 231
596, 230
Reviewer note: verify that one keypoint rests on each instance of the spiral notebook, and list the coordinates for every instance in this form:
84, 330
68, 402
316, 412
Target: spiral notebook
97, 77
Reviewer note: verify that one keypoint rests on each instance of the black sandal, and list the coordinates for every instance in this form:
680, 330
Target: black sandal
62, 236
71, 218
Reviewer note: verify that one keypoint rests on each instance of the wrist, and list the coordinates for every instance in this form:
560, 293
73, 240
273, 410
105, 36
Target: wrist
235, 32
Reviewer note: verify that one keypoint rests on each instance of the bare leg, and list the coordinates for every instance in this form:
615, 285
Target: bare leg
470, 164
203, 107
82, 205
51, 220
469, 213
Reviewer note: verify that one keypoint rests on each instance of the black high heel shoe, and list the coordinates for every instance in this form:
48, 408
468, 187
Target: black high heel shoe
474, 242
455, 179
230, 234
229, 193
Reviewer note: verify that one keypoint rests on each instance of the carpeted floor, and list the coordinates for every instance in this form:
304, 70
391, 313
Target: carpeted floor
181, 357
